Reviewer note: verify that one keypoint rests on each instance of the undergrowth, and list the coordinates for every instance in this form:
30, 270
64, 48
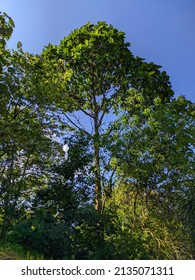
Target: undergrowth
11, 251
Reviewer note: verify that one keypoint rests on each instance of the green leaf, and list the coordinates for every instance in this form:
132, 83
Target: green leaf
86, 42
151, 73
11, 22
11, 70
111, 40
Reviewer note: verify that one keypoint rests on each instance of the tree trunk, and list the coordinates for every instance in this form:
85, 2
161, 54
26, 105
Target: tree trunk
98, 187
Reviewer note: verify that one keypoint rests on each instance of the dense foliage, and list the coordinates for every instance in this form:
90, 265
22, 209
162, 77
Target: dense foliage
123, 188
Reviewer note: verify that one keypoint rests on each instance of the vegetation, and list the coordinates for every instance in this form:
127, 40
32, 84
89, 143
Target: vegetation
96, 153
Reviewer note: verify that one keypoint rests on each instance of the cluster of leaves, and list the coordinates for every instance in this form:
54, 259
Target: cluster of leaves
126, 189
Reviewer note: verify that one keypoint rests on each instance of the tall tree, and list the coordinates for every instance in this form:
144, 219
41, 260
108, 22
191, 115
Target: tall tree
100, 72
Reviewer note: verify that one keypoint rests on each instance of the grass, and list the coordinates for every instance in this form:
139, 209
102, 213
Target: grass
10, 251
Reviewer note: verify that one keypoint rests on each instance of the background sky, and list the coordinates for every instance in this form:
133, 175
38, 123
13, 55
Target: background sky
161, 31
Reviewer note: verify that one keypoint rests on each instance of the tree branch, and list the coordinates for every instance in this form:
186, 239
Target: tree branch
76, 126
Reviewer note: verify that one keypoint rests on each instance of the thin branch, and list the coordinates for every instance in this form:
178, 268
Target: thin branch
86, 113
76, 126
78, 121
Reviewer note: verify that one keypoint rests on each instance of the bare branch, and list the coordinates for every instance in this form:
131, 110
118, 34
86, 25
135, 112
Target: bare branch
86, 113
76, 126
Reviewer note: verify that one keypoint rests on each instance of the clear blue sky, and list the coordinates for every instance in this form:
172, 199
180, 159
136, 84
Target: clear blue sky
161, 31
